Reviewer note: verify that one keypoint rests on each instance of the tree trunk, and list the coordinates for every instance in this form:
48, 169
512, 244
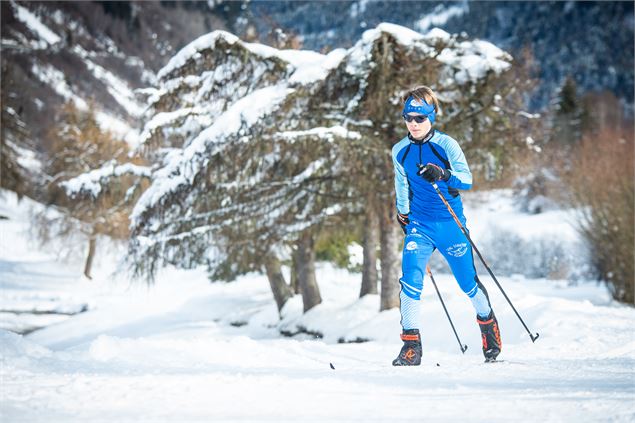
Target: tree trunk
92, 241
295, 286
370, 244
389, 257
281, 291
306, 272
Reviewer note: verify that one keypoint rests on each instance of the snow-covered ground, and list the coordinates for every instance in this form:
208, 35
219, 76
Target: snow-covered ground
189, 350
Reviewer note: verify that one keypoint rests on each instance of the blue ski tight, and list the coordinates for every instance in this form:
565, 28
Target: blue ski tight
421, 240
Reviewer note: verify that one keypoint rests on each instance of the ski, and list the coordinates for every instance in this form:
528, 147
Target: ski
332, 366
502, 361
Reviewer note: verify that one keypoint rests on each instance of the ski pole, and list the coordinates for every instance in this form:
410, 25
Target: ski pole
467, 235
463, 347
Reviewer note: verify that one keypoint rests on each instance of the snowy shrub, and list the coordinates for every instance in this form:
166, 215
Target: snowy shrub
602, 184
542, 256
534, 192
546, 256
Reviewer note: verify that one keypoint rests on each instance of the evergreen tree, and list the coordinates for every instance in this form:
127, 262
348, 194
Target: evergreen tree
14, 137
567, 116
13, 176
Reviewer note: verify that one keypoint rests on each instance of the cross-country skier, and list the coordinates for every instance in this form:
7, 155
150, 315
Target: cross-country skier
425, 156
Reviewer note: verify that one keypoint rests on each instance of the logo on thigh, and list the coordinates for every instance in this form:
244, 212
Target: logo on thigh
457, 250
412, 245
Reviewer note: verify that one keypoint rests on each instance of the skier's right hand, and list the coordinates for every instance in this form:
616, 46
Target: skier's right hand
433, 173
403, 220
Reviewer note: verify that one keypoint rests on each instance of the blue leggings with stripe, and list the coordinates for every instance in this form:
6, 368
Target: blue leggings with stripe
421, 240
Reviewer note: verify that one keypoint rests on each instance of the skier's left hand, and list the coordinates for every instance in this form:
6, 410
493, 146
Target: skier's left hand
403, 220
433, 173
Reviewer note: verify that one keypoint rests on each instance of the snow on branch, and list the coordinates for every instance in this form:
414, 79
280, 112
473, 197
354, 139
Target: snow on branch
306, 66
184, 165
468, 60
308, 172
92, 182
322, 133
162, 119
472, 60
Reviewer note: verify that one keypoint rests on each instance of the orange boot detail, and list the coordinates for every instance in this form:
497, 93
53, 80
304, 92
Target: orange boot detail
410, 354
490, 335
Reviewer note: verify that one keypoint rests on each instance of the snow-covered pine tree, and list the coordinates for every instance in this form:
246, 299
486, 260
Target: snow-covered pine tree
261, 147
248, 183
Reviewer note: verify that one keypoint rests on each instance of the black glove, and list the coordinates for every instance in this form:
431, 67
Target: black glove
433, 173
403, 220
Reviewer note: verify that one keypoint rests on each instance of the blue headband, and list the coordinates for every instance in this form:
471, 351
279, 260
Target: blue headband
414, 105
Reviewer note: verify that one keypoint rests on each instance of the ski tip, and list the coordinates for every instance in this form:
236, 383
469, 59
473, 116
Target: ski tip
332, 366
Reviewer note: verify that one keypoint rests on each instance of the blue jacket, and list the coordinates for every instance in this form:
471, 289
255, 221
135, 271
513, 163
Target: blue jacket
414, 194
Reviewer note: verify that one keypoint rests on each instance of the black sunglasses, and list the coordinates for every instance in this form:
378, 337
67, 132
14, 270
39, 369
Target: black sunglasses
418, 119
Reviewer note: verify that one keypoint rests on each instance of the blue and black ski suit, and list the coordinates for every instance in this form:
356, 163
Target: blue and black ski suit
430, 223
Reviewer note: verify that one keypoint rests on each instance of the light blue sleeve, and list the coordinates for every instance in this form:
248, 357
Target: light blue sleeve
402, 187
461, 176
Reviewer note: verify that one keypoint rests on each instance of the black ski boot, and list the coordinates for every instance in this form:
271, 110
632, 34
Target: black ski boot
410, 354
491, 336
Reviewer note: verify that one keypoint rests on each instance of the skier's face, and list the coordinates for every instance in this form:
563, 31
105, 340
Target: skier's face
417, 129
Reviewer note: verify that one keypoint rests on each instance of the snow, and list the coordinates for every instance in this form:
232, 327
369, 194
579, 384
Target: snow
307, 173
186, 349
440, 16
497, 208
535, 245
162, 119
36, 26
117, 87
117, 127
437, 33
358, 56
311, 67
27, 158
120, 91
473, 59
91, 182
358, 8
57, 81
402, 34
327, 134
207, 41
